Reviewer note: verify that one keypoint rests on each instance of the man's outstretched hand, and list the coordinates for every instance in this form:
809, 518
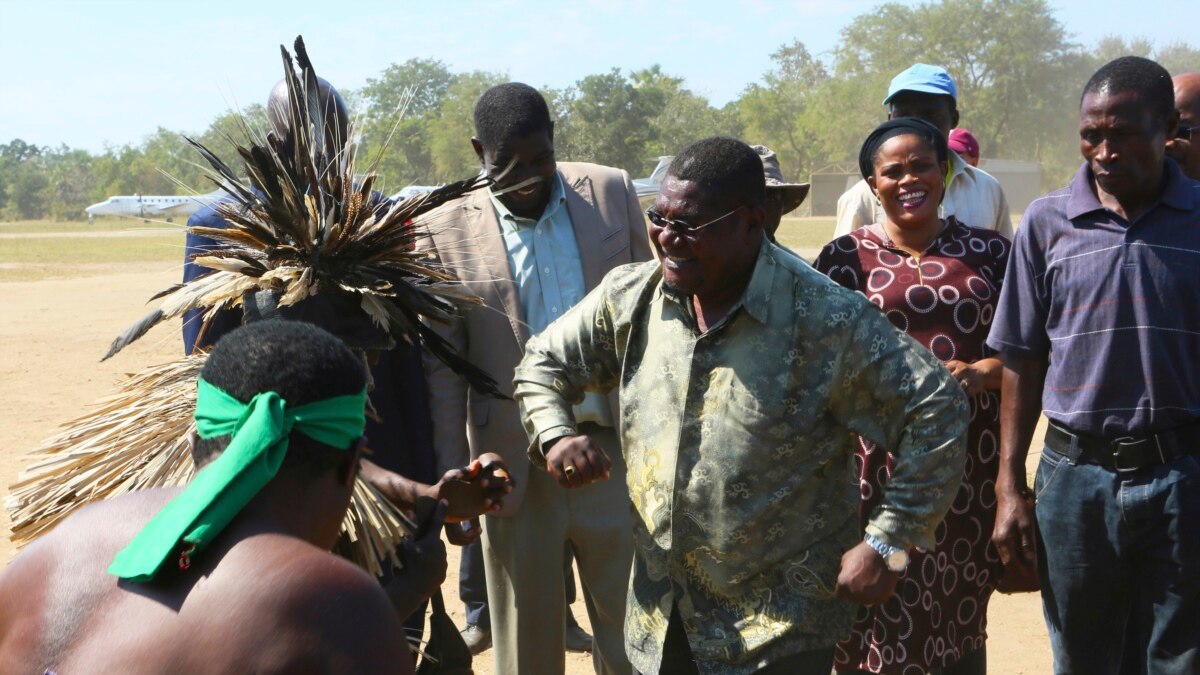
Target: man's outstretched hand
471, 491
575, 461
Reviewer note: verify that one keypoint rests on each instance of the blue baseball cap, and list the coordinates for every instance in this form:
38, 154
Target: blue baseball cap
923, 78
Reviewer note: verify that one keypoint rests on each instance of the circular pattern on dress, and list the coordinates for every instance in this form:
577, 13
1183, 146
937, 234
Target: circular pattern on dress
890, 258
966, 315
879, 279
979, 287
949, 294
921, 299
932, 270
942, 347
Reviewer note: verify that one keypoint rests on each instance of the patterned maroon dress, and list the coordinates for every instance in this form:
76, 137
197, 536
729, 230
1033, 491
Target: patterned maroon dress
946, 301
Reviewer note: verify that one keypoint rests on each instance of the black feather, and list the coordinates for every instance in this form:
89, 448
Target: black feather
134, 332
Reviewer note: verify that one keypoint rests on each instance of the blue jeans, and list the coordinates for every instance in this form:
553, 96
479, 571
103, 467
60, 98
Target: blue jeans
1119, 562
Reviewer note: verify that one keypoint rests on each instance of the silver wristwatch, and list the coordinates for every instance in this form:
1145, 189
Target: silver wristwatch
895, 558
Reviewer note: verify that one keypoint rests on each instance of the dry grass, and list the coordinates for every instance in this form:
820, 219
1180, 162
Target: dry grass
33, 250
806, 236
100, 225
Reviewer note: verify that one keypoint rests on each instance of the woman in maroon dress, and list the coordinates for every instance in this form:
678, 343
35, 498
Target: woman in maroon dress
937, 280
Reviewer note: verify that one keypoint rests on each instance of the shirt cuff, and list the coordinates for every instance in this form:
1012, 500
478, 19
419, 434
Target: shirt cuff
536, 456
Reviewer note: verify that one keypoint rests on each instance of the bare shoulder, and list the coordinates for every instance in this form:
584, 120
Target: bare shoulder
312, 606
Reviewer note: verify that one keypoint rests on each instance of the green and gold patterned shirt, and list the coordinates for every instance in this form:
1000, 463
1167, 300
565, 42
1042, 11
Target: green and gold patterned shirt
740, 449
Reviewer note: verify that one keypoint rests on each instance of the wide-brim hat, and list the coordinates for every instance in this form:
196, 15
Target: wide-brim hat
793, 193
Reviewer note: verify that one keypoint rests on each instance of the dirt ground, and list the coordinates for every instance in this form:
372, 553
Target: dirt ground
55, 330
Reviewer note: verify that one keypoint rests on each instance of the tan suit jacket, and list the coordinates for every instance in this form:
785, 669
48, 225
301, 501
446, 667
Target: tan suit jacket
610, 231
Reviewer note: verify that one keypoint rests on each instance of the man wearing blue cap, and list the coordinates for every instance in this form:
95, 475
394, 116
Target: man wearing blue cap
972, 195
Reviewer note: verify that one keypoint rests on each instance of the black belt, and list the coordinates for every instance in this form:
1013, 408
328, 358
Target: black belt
1126, 454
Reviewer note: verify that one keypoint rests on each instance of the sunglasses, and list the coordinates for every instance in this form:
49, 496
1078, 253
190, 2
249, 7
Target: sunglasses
1185, 133
682, 227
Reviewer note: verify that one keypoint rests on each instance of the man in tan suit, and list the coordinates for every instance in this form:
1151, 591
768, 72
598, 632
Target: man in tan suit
531, 247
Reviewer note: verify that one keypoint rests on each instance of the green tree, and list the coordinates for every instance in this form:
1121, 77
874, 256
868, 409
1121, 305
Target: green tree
394, 129
451, 131
628, 121
777, 112
1009, 59
1176, 57
71, 182
228, 131
23, 182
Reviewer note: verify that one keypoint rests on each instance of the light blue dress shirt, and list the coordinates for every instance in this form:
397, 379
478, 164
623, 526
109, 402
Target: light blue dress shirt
543, 257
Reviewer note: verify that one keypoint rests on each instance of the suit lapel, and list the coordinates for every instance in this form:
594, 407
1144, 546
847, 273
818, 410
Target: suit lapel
483, 230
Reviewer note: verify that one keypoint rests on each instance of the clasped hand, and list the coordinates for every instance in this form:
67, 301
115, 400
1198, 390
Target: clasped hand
864, 578
575, 461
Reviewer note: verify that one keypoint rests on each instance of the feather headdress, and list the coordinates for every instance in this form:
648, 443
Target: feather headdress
303, 231
304, 226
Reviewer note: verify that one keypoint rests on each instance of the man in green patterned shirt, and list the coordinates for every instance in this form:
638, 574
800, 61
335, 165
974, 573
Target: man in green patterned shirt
744, 376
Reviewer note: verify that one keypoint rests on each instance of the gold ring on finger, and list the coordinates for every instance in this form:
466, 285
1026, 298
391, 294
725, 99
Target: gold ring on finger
569, 470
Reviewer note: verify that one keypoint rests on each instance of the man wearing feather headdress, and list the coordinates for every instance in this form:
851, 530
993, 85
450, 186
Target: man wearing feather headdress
281, 417
531, 246
304, 238
401, 462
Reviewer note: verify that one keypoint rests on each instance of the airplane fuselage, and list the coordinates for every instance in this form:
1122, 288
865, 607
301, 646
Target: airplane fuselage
150, 206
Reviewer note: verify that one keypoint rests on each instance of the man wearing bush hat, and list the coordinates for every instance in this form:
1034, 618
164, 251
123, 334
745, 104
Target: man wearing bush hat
972, 196
782, 198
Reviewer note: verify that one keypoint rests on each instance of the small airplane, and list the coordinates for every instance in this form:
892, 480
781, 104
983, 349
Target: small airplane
152, 206
412, 191
648, 187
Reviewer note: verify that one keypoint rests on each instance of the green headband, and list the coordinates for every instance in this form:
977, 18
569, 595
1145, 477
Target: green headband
259, 431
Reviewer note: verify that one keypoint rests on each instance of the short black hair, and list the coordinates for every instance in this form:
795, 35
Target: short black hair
1150, 81
904, 93
300, 362
727, 170
510, 110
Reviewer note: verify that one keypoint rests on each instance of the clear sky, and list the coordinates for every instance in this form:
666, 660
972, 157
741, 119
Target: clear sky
96, 73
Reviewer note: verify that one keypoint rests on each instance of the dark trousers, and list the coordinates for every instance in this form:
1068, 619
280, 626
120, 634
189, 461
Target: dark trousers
678, 659
472, 584
1119, 562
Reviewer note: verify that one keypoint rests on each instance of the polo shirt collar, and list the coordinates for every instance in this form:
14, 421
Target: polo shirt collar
1177, 194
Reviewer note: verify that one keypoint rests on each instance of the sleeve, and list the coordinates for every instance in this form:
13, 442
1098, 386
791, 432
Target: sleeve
840, 262
854, 209
894, 392
1019, 327
576, 354
640, 247
225, 320
1003, 215
447, 393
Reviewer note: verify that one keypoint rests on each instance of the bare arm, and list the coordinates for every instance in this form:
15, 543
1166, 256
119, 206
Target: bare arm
1020, 405
982, 375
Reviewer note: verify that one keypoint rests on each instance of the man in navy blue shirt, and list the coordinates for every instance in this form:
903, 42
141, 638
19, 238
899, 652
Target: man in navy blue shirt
1099, 329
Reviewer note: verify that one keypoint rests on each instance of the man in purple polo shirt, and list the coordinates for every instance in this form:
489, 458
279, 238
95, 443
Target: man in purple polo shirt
1100, 318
